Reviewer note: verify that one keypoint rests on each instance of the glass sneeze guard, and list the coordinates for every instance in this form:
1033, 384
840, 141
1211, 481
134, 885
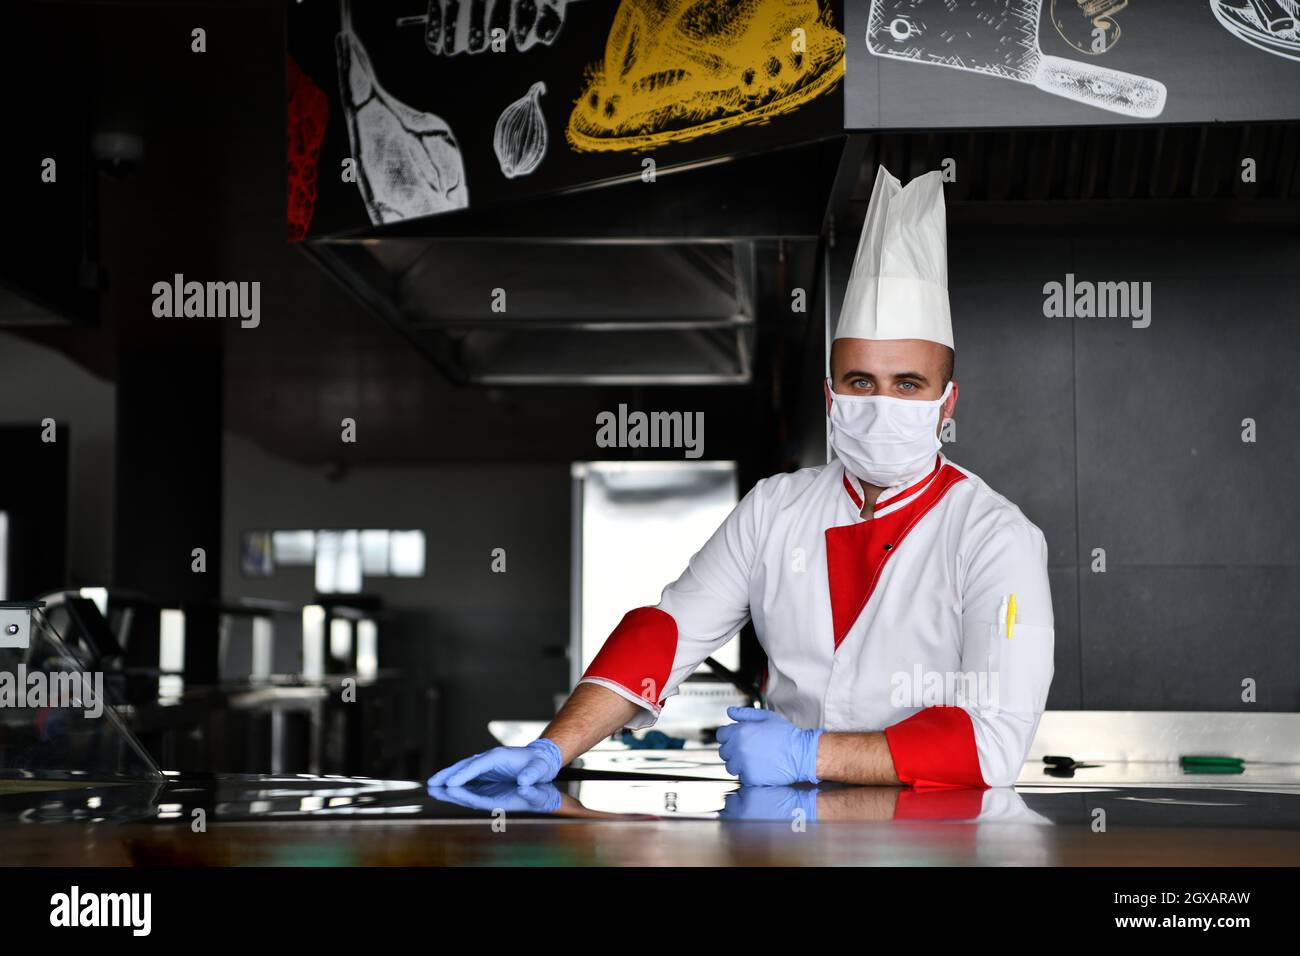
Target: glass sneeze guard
57, 720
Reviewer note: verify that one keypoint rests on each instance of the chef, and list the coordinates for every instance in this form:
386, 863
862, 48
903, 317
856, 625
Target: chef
902, 603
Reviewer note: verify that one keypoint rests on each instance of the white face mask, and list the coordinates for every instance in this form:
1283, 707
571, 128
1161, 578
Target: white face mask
882, 440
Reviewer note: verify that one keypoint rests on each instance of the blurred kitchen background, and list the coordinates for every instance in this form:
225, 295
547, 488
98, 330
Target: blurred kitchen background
374, 560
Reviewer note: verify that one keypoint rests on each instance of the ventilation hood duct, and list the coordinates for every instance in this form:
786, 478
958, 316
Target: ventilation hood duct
636, 283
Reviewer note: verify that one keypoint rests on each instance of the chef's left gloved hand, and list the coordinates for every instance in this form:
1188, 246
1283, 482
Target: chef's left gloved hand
764, 749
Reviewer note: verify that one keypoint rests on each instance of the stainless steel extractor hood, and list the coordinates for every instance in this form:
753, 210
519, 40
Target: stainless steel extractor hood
626, 284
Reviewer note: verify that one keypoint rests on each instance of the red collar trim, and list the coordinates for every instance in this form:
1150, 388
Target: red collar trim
910, 490
853, 492
896, 498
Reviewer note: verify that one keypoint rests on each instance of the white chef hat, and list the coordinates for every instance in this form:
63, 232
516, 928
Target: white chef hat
898, 288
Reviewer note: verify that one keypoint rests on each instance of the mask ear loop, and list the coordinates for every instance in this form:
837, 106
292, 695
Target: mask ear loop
947, 390
826, 387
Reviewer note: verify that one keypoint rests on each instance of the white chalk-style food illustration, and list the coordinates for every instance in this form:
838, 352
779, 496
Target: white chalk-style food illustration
466, 26
520, 136
408, 162
1269, 25
1090, 26
1000, 38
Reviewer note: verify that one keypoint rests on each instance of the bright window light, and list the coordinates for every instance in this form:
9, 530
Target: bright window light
171, 641
406, 554
340, 558
338, 562
98, 597
374, 553
294, 549
313, 641
367, 649
349, 563
263, 647
327, 559
340, 638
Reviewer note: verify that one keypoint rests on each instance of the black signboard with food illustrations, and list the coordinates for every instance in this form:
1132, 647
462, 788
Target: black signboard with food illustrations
400, 109
936, 64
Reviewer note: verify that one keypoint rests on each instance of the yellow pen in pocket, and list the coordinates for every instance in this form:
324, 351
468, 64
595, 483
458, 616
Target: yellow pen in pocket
1011, 615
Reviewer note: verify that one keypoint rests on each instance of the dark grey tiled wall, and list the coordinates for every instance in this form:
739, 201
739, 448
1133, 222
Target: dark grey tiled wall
1129, 440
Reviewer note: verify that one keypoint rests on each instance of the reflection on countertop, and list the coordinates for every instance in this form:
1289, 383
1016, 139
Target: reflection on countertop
61, 798
331, 820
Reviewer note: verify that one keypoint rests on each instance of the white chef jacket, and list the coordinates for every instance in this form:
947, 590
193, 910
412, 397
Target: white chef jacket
889, 622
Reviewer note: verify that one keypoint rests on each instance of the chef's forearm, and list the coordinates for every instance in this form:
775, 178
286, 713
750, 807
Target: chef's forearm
591, 714
861, 758
857, 803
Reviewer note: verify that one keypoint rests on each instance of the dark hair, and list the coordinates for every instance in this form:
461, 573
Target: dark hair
948, 367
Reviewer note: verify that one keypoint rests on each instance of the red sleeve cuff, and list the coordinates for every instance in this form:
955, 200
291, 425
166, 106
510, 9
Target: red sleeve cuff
936, 748
945, 804
639, 654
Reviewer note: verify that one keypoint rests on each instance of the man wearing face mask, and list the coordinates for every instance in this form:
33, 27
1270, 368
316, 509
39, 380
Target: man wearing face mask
902, 603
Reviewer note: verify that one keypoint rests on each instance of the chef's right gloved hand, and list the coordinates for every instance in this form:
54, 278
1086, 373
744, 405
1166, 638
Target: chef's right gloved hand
539, 762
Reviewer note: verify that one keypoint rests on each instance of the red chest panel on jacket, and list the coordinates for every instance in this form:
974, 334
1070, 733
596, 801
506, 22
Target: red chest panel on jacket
856, 553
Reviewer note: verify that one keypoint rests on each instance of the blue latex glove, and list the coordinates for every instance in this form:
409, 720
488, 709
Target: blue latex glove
543, 798
539, 762
770, 803
764, 749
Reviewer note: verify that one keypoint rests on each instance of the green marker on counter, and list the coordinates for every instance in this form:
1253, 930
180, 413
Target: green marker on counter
1198, 764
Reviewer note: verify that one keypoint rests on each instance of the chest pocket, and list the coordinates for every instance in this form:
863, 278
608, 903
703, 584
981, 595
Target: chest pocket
1019, 669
